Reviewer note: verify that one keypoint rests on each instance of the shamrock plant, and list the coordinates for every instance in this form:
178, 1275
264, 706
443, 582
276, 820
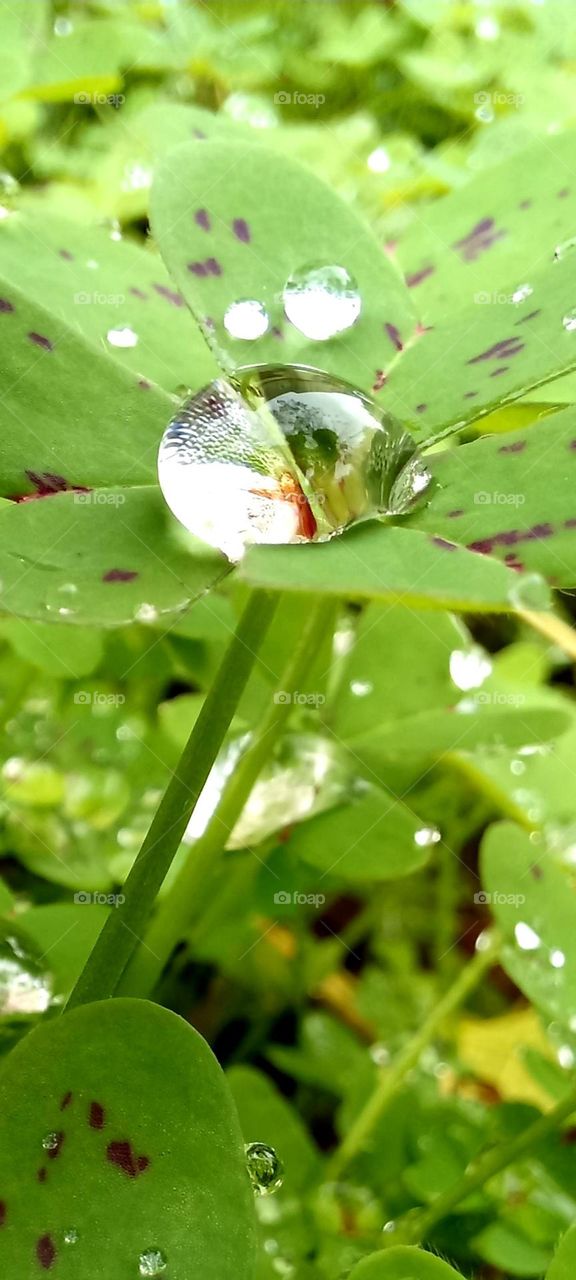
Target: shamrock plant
334, 733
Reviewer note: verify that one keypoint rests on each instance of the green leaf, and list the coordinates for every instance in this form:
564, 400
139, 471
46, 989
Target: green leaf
68, 654
563, 1263
223, 242
101, 559
87, 1083
100, 285
64, 934
375, 837
529, 886
511, 496
265, 1116
387, 563
403, 1263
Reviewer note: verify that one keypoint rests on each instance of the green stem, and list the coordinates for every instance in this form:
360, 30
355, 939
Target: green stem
417, 1225
126, 924
392, 1078
186, 897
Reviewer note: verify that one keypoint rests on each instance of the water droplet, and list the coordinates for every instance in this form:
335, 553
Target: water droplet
286, 454
569, 320
71, 1236
557, 959
25, 987
564, 249
51, 1141
487, 28
321, 300
152, 1262
63, 27
427, 836
526, 938
379, 160
379, 1054
522, 292
531, 591
246, 319
146, 613
136, 177
469, 668
361, 688
9, 185
389, 1226
264, 1168
122, 337
485, 113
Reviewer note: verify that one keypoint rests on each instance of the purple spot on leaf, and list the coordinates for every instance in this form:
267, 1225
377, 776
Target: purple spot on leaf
120, 575
65, 253
41, 1174
516, 447
241, 230
45, 1252
469, 395
380, 380
502, 350
198, 268
536, 871
202, 219
570, 523
40, 341
5, 306
525, 204
564, 191
66, 1100
459, 511
144, 384
444, 544
420, 408
54, 1151
530, 316
2, 1212
418, 276
394, 336
213, 267
138, 293
96, 1116
122, 1155
478, 240
496, 372
170, 295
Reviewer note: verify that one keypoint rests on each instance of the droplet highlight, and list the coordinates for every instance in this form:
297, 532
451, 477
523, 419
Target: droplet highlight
246, 319
264, 1168
321, 300
152, 1262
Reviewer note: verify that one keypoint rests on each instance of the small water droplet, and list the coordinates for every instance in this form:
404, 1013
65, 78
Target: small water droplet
531, 591
321, 300
557, 959
569, 320
9, 185
361, 688
427, 836
50, 1141
469, 668
152, 1262
564, 249
522, 292
487, 28
379, 160
247, 319
379, 1054
285, 454
389, 1226
71, 1236
264, 1168
63, 27
124, 336
526, 938
146, 613
565, 1056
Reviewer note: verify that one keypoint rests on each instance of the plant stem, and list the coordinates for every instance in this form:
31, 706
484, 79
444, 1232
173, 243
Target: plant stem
552, 627
186, 897
392, 1078
417, 1224
126, 924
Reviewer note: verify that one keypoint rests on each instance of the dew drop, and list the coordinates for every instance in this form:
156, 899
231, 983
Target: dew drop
63, 27
246, 319
526, 938
122, 337
9, 185
564, 249
51, 1141
569, 320
361, 688
522, 292
152, 1262
321, 300
531, 591
71, 1236
557, 959
427, 836
469, 668
379, 160
25, 988
379, 1054
284, 454
146, 613
264, 1168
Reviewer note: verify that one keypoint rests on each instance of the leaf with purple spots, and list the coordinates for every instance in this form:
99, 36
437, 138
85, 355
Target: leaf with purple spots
112, 1182
511, 496
224, 244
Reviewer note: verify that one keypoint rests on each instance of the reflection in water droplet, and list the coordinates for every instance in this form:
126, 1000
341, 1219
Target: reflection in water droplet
287, 454
565, 1056
531, 591
569, 320
321, 300
389, 1226
246, 319
427, 836
306, 775
146, 613
469, 668
71, 1236
264, 1168
557, 959
25, 987
564, 249
361, 688
379, 1054
9, 185
379, 160
152, 1262
526, 938
51, 1141
122, 337
522, 292
63, 27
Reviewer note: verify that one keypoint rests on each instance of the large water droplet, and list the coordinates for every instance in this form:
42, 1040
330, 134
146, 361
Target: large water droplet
152, 1262
321, 300
531, 591
123, 336
285, 454
25, 988
569, 320
525, 936
246, 319
264, 1168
